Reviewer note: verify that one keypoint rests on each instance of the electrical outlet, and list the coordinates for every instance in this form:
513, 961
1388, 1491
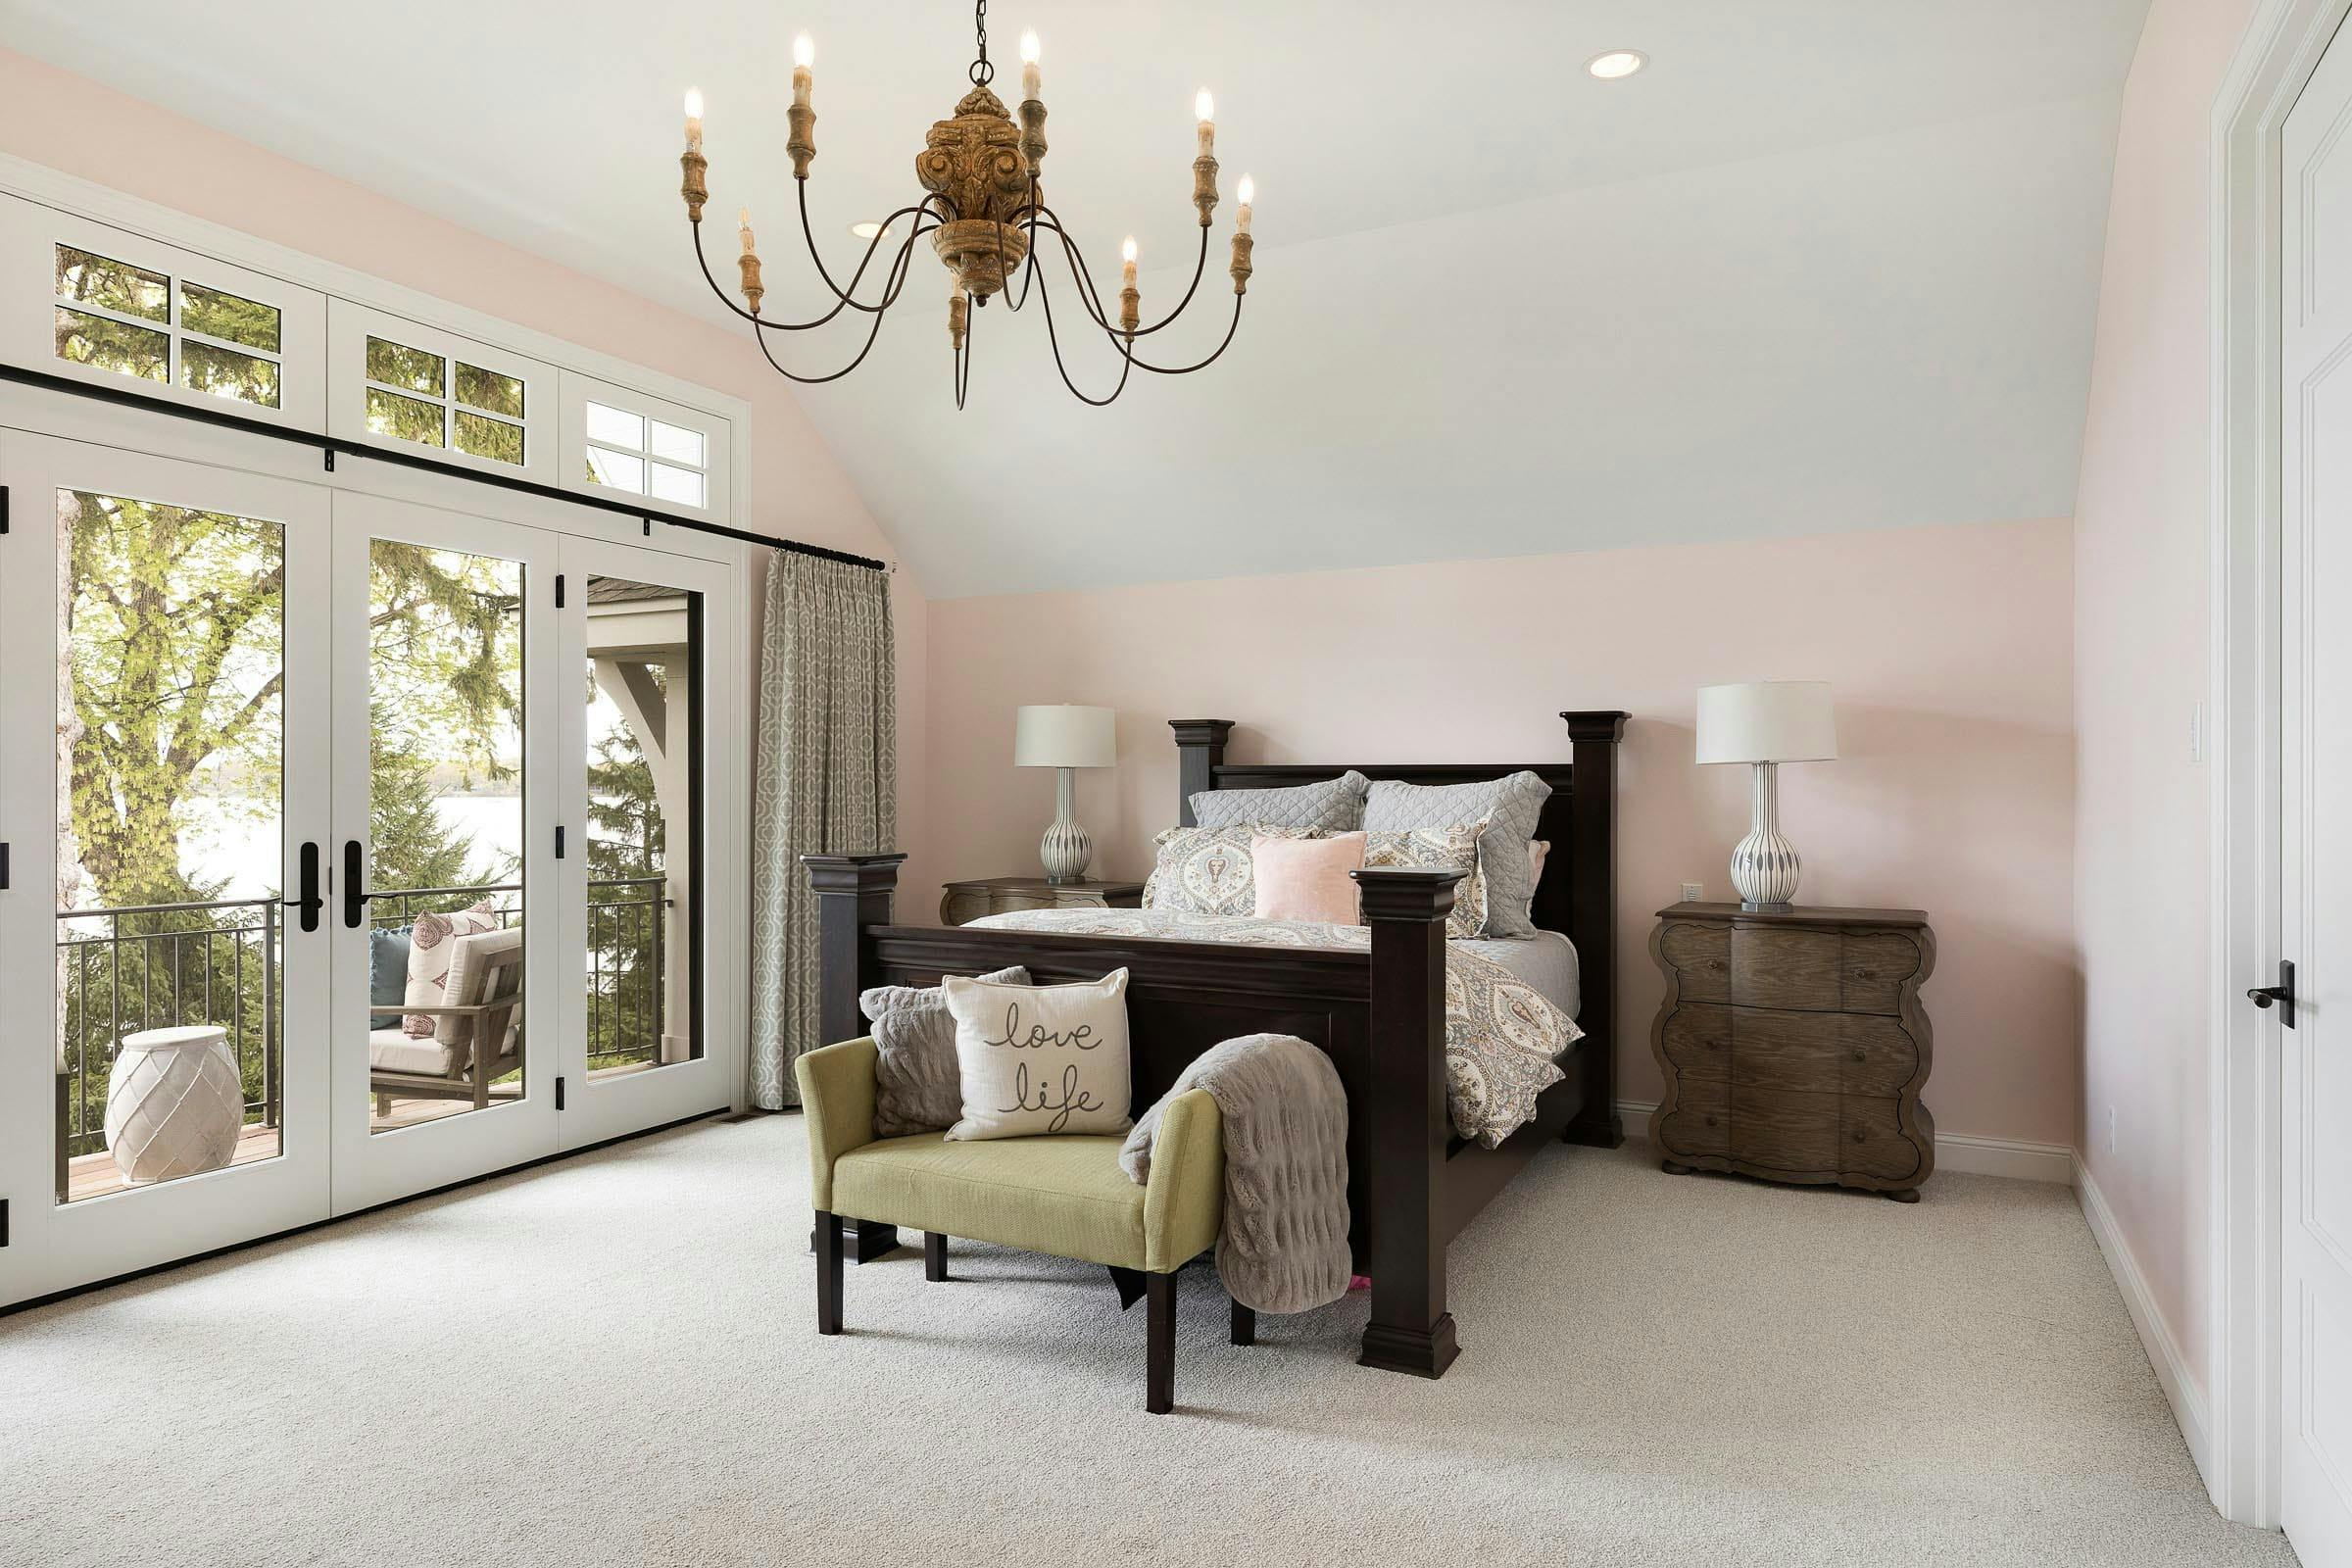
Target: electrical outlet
2111, 1129
1693, 892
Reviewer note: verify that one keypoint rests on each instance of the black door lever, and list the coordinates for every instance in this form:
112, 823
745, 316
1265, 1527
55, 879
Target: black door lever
312, 900
355, 900
2283, 993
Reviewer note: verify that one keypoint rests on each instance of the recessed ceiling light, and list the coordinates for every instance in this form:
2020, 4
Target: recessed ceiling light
1616, 63
866, 230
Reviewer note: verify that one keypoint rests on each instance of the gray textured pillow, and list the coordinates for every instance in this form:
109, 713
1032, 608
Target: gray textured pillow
1509, 807
1333, 805
918, 1087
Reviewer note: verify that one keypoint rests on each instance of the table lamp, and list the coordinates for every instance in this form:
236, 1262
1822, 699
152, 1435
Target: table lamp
1766, 723
1065, 737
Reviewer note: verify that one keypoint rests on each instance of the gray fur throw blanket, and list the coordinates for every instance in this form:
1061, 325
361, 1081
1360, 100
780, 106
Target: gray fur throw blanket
1283, 1244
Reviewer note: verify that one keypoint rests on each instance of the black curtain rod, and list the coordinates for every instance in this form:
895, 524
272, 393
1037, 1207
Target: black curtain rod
228, 420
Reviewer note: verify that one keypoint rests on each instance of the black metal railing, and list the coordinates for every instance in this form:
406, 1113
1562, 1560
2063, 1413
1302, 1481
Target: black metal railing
217, 963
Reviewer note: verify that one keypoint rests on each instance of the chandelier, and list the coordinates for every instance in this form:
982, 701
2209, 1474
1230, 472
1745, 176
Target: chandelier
983, 215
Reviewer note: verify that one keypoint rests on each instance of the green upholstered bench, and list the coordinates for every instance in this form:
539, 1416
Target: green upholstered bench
1066, 1196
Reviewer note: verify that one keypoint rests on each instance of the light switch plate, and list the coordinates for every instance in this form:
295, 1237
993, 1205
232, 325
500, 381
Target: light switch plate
1693, 892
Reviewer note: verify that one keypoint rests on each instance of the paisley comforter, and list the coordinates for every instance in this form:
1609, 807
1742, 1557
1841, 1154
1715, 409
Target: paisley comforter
1503, 1035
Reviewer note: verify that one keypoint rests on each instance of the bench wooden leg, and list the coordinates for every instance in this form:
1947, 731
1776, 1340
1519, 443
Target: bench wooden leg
1245, 1325
829, 1272
1159, 1335
935, 1256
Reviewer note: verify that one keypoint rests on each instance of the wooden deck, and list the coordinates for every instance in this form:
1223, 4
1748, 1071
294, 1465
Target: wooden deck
96, 1175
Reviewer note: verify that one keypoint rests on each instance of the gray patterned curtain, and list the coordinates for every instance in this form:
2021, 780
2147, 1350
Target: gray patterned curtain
825, 782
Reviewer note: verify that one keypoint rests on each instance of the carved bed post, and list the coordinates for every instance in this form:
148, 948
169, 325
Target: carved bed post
1199, 747
1592, 916
1410, 1330
852, 897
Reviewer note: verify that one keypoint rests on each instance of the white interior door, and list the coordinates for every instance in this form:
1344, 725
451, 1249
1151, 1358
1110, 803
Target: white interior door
2316, 826
446, 884
162, 1055
648, 656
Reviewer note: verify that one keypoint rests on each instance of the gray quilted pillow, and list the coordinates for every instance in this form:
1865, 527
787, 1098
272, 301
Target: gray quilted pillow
918, 1087
1333, 805
1509, 807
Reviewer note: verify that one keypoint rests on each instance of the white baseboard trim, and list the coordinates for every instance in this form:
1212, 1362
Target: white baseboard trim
2181, 1388
1954, 1152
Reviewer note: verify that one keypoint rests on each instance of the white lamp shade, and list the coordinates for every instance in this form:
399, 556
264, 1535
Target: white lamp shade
1767, 721
1065, 735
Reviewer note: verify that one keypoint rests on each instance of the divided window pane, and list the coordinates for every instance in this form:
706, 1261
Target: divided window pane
227, 373
404, 419
617, 469
487, 389
228, 318
410, 369
675, 445
485, 437
110, 345
100, 281
682, 486
614, 427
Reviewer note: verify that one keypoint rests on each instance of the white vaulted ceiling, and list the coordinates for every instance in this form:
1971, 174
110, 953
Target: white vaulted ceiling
1825, 265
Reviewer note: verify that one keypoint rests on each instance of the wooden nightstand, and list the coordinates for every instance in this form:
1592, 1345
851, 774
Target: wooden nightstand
1002, 894
1794, 1045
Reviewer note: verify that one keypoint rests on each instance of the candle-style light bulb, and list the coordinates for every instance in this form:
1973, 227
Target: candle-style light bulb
1205, 163
748, 261
1204, 108
1129, 297
804, 51
743, 227
694, 116
1029, 63
1249, 194
800, 119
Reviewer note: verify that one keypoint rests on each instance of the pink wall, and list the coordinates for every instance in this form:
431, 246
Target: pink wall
1951, 653
72, 123
2143, 649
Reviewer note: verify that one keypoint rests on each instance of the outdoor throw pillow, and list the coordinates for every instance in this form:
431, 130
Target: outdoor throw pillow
917, 1086
1041, 1058
431, 945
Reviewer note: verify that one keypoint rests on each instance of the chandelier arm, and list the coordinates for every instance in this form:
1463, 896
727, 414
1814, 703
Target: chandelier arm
1046, 295
1231, 327
1095, 308
808, 238
703, 260
962, 372
1028, 271
897, 279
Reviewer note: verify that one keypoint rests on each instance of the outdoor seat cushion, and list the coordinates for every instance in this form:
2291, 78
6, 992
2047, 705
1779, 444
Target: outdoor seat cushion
1061, 1194
392, 1050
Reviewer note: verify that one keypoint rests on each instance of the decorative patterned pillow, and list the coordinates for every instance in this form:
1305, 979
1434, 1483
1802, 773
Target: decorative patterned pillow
432, 943
1040, 1060
1206, 871
917, 1086
1509, 807
1538, 851
1333, 805
1455, 847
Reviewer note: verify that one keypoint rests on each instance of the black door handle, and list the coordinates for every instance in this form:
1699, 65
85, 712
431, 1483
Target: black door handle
2283, 993
312, 900
355, 898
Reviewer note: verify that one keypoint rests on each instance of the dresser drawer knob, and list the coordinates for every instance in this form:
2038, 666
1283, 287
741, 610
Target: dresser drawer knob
1858, 1137
1711, 1121
1866, 974
1861, 1056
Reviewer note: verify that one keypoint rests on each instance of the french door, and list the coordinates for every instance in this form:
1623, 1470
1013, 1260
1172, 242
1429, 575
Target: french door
355, 847
447, 829
165, 703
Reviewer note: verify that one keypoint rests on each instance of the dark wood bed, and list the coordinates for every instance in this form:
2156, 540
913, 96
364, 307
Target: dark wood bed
1413, 1183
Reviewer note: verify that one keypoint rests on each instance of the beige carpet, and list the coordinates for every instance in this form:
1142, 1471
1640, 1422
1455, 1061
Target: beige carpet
612, 1360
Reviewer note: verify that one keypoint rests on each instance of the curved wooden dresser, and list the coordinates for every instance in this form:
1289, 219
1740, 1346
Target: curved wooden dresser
1794, 1045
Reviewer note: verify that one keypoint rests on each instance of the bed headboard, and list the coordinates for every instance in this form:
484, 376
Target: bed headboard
1577, 895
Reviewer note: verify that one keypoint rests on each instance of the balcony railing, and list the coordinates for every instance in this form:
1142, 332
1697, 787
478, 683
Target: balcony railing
156, 966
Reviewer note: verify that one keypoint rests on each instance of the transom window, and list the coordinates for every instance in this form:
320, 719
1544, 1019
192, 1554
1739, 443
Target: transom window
140, 322
438, 400
647, 457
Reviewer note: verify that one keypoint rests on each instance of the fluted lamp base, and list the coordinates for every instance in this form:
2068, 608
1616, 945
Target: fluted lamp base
1764, 865
1065, 848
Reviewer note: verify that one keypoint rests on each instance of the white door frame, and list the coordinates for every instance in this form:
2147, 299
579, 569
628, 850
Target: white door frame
2282, 43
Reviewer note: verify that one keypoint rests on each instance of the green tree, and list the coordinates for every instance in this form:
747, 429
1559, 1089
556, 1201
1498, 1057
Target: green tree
624, 843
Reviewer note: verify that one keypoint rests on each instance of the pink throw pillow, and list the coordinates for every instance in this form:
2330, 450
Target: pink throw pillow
1306, 879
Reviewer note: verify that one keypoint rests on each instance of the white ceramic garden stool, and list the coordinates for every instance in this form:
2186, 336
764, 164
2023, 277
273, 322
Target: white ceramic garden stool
174, 1103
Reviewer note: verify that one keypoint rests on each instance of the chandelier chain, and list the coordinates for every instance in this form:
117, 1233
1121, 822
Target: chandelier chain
982, 73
